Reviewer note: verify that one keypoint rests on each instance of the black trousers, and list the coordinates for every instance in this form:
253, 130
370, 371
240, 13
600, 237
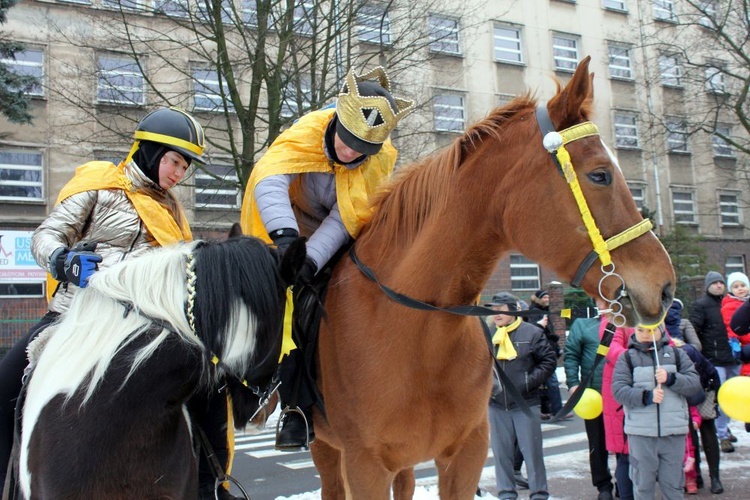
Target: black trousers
710, 447
209, 410
12, 366
601, 477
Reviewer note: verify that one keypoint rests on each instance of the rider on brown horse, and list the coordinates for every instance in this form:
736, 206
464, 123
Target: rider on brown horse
316, 180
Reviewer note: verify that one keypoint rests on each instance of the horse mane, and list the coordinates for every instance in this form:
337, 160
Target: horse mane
419, 190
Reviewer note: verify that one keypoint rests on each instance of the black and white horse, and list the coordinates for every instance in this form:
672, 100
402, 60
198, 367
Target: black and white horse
104, 415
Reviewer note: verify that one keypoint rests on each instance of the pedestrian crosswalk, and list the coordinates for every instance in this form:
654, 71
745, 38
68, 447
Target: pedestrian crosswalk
261, 446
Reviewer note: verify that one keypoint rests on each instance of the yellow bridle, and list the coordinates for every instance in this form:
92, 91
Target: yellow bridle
554, 143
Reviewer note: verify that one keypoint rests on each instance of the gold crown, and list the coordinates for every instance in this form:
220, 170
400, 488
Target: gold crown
351, 107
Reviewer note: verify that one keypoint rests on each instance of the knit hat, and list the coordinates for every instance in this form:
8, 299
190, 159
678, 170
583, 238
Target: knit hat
504, 298
737, 276
712, 277
540, 293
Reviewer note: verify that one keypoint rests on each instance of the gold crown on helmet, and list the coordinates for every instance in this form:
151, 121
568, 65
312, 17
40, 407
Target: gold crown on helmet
351, 108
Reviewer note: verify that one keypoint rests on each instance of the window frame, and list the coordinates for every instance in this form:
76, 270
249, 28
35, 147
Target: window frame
447, 118
228, 178
725, 208
559, 58
25, 68
497, 51
209, 85
677, 127
735, 267
117, 5
619, 138
640, 200
714, 71
666, 7
670, 75
365, 32
608, 5
711, 8
612, 68
163, 7
7, 283
289, 105
676, 214
519, 262
19, 183
443, 37
718, 144
124, 61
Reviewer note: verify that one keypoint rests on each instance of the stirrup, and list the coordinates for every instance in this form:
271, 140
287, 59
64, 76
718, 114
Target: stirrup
296, 409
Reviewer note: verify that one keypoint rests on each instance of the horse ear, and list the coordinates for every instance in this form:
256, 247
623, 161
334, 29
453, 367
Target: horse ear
235, 230
573, 104
293, 260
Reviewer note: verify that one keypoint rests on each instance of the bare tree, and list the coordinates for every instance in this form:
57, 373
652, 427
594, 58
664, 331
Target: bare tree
245, 68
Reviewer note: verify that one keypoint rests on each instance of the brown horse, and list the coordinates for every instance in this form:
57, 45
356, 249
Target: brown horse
403, 386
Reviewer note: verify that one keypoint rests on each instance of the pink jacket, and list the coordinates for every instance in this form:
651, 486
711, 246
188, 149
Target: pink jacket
730, 304
614, 416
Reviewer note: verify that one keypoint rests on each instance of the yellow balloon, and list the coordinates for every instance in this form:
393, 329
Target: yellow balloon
590, 404
734, 398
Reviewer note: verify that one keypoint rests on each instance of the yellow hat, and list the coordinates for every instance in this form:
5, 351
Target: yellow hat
367, 112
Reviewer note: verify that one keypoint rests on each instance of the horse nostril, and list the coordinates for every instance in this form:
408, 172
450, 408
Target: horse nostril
667, 296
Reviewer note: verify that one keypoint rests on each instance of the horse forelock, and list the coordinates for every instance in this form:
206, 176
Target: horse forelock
238, 307
418, 191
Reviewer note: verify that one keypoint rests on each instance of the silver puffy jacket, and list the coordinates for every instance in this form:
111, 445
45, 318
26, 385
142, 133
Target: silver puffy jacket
105, 216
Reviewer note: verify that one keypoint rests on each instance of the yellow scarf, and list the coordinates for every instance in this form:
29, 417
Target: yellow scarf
505, 348
96, 175
299, 150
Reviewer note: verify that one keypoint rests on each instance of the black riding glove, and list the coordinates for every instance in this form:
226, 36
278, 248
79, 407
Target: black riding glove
75, 265
282, 238
306, 274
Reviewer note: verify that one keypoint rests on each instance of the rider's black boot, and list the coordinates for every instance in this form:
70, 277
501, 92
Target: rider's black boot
294, 434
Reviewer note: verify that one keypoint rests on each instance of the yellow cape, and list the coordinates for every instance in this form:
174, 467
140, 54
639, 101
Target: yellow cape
299, 150
96, 175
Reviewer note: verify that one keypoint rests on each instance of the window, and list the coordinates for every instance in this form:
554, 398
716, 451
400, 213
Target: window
304, 11
524, 274
120, 81
121, 4
28, 62
664, 10
721, 146
443, 34
671, 70
504, 99
710, 10
21, 290
507, 43
715, 80
638, 190
217, 186
626, 130
620, 66
677, 137
449, 113
207, 94
374, 24
21, 175
294, 97
207, 16
734, 263
174, 8
565, 52
729, 209
615, 5
250, 12
683, 206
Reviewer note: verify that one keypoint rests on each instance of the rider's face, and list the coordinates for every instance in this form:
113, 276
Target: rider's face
344, 152
172, 168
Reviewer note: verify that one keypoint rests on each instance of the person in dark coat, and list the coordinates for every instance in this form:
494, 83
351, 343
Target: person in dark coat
539, 315
705, 315
524, 355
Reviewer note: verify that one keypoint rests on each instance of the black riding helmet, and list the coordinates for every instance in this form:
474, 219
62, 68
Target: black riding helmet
174, 129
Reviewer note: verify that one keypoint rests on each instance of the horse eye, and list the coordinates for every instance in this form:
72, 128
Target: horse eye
600, 177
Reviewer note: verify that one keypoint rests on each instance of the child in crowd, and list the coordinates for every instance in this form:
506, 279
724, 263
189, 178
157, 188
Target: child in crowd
738, 290
689, 462
651, 380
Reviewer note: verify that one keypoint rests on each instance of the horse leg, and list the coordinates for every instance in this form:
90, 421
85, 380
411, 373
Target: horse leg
327, 460
459, 472
403, 485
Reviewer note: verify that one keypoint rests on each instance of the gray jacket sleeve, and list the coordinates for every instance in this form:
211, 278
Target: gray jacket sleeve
63, 227
274, 205
622, 385
328, 238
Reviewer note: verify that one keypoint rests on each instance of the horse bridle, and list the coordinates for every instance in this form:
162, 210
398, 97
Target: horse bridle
554, 142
